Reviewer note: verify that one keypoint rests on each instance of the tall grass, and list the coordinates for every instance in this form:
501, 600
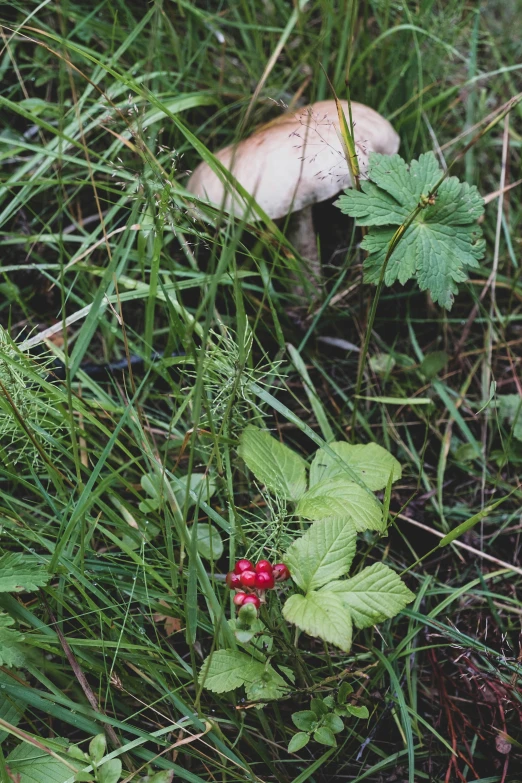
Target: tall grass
105, 108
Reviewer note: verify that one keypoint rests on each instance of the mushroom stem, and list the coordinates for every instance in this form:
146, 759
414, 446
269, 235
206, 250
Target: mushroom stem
301, 234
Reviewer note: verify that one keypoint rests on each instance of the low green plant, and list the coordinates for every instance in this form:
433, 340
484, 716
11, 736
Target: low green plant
324, 719
337, 492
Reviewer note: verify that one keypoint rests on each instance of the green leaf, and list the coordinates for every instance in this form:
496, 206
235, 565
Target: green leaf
370, 462
202, 485
110, 772
276, 466
226, 670
328, 619
11, 650
208, 541
83, 777
344, 691
334, 723
268, 685
298, 741
319, 707
11, 708
305, 720
325, 552
442, 241
433, 363
325, 736
33, 765
382, 363
374, 595
510, 408
166, 776
357, 712
19, 572
341, 498
97, 747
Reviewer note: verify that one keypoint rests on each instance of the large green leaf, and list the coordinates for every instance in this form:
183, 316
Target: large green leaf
325, 552
19, 572
226, 670
325, 616
340, 498
370, 462
32, 765
374, 595
273, 464
441, 242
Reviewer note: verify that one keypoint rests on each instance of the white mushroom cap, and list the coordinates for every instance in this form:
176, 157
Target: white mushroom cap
295, 161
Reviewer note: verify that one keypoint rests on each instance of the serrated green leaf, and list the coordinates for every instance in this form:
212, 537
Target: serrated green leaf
370, 462
443, 239
33, 765
298, 741
374, 595
208, 541
11, 650
329, 701
276, 466
226, 670
325, 736
329, 620
110, 771
334, 723
270, 685
342, 499
305, 720
325, 552
19, 572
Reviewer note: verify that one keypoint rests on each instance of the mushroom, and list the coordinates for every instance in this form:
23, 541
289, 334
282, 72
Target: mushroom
292, 163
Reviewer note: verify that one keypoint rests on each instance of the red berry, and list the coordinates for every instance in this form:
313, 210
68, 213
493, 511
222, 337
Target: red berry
281, 572
243, 565
248, 578
263, 565
264, 580
239, 598
233, 580
252, 599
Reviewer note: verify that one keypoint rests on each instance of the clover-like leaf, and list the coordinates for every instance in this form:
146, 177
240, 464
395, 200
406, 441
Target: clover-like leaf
442, 240
370, 462
275, 465
375, 594
324, 553
341, 498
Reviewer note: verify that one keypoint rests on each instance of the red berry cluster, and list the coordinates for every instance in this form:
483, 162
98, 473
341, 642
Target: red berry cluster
258, 578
